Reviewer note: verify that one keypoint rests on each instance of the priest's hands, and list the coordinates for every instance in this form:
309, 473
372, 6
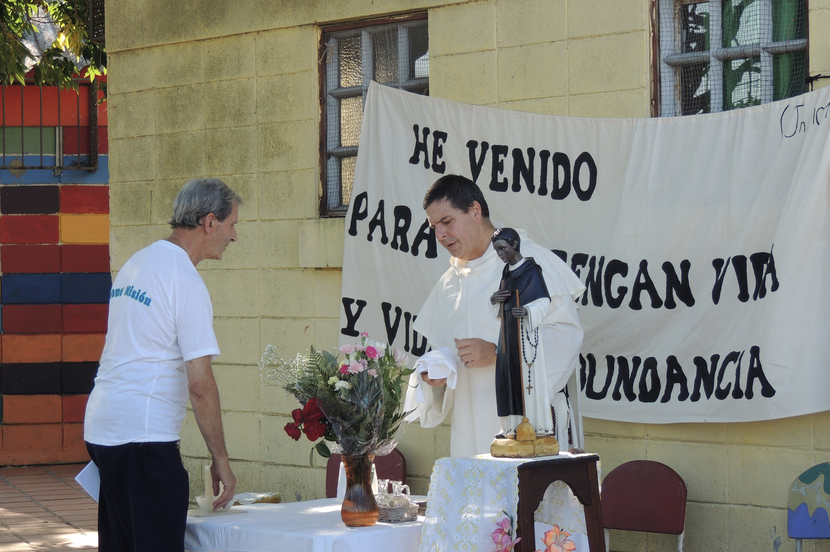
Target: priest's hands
433, 382
475, 352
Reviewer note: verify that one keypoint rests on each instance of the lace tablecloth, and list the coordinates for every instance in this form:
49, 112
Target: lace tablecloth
469, 496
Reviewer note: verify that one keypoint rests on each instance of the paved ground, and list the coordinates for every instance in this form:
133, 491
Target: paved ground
43, 508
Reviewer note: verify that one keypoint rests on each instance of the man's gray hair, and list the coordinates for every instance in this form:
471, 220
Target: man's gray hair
200, 197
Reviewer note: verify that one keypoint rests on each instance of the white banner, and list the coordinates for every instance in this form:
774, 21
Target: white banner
702, 241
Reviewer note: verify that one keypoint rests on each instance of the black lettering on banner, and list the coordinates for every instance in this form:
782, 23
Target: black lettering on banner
704, 375
649, 389
544, 155
675, 376
615, 267
438, 139
523, 170
417, 349
625, 379
723, 380
425, 234
351, 316
498, 155
756, 371
763, 266
585, 159
561, 188
360, 211
403, 218
577, 261
379, 220
643, 283
593, 282
391, 327
477, 163
678, 285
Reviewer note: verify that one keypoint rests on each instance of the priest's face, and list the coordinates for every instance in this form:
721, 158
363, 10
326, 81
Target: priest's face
462, 234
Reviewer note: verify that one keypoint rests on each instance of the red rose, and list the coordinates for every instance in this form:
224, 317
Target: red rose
297, 414
293, 431
311, 411
314, 430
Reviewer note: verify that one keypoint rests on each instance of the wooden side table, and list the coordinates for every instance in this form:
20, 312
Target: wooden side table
580, 474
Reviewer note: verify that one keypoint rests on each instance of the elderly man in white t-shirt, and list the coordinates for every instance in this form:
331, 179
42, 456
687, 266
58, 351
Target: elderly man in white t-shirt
158, 352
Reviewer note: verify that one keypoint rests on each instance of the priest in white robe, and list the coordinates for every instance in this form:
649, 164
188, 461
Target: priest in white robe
457, 315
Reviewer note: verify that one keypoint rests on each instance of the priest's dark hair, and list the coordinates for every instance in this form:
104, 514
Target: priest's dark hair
509, 235
460, 191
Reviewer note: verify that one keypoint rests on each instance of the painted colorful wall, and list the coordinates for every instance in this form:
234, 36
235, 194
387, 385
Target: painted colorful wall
54, 277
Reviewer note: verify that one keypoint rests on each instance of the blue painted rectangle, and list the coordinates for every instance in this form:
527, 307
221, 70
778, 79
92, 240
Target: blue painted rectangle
33, 289
85, 287
47, 176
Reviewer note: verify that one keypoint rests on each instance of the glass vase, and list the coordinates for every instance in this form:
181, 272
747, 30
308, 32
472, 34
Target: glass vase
360, 509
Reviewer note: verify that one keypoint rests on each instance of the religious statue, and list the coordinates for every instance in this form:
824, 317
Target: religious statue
522, 391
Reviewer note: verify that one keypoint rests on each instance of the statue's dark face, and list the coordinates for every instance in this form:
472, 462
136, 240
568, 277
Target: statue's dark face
506, 252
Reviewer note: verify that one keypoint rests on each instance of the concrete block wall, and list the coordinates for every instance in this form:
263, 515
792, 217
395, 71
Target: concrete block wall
233, 92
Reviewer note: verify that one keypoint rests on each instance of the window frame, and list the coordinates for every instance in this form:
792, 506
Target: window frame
667, 81
329, 97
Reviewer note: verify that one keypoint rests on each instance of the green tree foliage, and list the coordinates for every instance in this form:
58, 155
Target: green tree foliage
19, 18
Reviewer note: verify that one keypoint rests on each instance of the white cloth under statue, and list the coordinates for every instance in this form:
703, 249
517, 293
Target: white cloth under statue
459, 307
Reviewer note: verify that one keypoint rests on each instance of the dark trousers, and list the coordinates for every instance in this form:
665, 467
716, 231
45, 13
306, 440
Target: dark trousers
142, 505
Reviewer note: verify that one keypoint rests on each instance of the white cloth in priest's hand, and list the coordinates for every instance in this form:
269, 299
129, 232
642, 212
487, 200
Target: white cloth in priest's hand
438, 364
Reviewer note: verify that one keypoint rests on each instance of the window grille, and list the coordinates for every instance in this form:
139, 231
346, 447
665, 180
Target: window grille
393, 53
48, 128
719, 55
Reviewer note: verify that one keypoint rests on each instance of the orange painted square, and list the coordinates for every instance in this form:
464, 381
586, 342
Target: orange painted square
31, 348
33, 438
84, 228
82, 347
74, 407
32, 409
74, 447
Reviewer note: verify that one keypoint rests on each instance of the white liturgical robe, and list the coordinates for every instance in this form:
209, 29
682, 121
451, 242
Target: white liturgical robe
458, 307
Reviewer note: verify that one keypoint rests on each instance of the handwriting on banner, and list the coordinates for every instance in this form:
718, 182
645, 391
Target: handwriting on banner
546, 174
721, 378
604, 280
393, 316
795, 119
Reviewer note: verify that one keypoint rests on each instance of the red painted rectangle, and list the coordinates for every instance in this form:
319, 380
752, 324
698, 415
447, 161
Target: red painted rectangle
33, 319
85, 258
31, 259
29, 229
87, 318
76, 141
85, 199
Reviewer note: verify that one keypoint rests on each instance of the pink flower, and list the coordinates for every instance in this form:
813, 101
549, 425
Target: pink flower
364, 334
347, 349
372, 372
501, 536
371, 352
400, 357
355, 367
344, 369
556, 540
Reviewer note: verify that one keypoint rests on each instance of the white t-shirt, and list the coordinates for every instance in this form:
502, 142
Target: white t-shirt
160, 316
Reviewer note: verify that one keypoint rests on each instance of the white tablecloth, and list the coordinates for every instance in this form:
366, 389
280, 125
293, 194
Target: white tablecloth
312, 526
469, 496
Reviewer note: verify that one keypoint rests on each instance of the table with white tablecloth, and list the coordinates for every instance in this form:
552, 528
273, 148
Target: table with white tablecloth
311, 526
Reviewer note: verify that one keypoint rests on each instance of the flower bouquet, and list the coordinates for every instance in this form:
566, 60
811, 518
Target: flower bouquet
352, 396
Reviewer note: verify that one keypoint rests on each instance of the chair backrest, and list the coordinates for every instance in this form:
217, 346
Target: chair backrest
391, 466
643, 495
807, 516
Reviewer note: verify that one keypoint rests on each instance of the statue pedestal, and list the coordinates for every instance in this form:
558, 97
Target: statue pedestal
511, 448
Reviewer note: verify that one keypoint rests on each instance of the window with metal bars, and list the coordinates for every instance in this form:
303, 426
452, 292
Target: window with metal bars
392, 52
719, 55
48, 128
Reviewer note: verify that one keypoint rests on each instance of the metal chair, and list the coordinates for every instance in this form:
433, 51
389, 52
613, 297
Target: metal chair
807, 516
643, 495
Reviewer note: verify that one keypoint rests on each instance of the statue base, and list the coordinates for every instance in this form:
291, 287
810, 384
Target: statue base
511, 448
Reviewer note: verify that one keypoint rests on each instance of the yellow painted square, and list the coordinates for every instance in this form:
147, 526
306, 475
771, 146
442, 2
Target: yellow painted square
85, 228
